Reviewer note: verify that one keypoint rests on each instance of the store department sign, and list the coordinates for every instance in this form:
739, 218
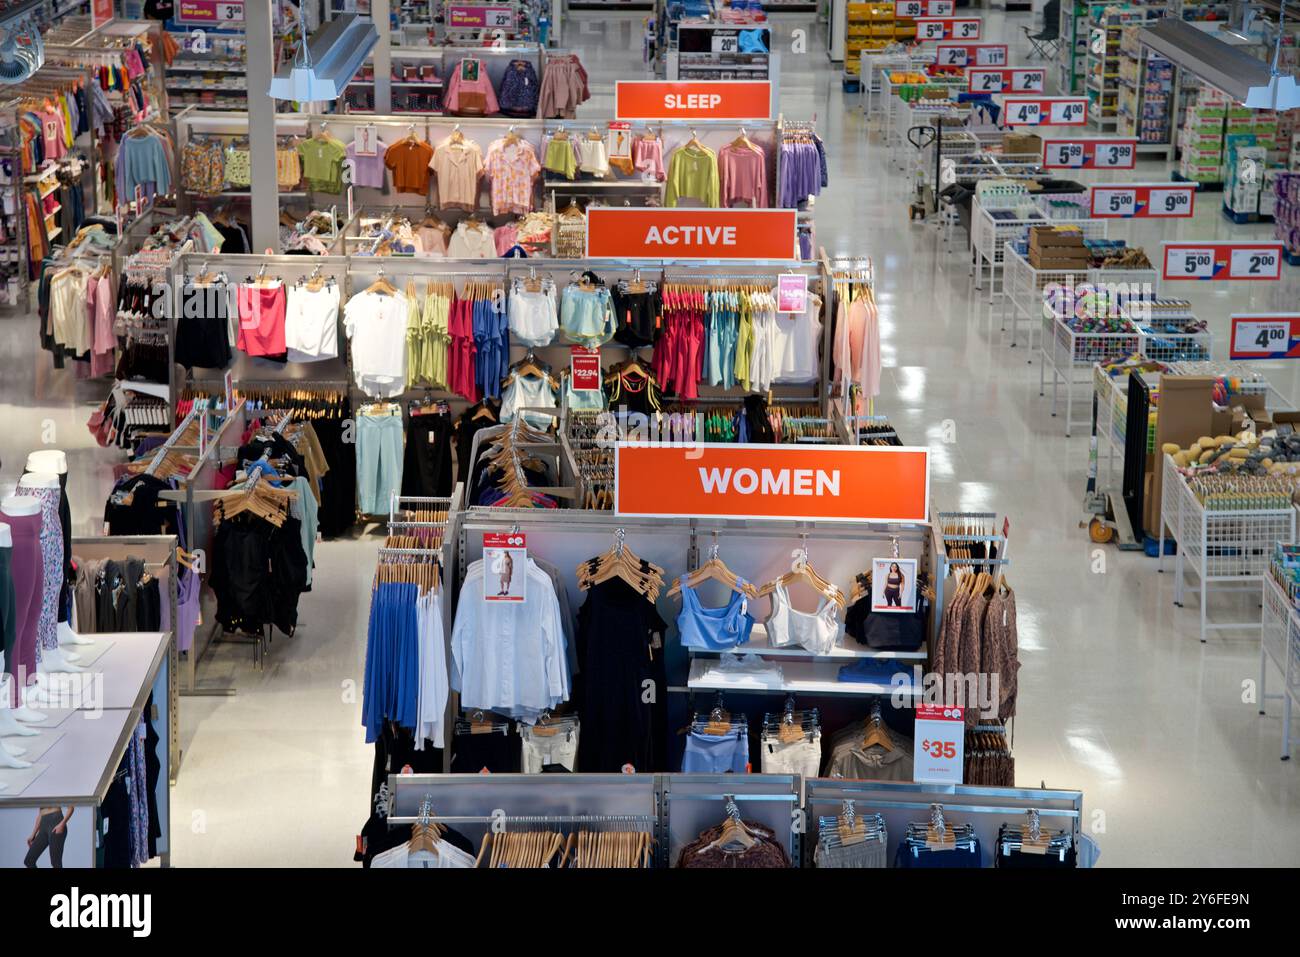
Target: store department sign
773, 482
101, 11
656, 233
692, 99
206, 13
472, 17
1261, 335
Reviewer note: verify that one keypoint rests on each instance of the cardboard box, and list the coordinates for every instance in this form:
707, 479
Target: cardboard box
1186, 413
1045, 236
1022, 143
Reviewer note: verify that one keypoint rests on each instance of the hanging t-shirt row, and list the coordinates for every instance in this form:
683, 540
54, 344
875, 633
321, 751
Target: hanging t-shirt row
268, 318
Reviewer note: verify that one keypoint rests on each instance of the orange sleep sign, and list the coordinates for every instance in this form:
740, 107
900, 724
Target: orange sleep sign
627, 232
774, 482
693, 99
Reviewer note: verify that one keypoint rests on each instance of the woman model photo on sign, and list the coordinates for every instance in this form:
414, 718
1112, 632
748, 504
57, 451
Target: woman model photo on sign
893, 584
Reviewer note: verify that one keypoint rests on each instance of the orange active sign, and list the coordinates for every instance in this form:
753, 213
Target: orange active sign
692, 100
780, 482
657, 233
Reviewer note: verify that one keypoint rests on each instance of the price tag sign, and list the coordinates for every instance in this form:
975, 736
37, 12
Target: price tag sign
1222, 261
585, 366
792, 293
725, 42
505, 567
971, 54
999, 79
1143, 200
940, 736
1045, 111
908, 9
940, 8
1089, 154
365, 140
933, 29
1265, 336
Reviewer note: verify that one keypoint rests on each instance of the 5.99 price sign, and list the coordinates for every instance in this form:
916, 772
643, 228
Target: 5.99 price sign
1258, 335
1222, 261
1089, 154
1143, 201
940, 737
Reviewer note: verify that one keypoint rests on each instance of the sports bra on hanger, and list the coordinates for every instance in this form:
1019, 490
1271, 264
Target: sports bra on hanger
787, 626
714, 629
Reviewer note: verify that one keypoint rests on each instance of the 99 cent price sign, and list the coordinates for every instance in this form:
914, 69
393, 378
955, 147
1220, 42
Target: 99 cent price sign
1257, 335
940, 737
1143, 201
1089, 154
1045, 111
911, 9
1222, 261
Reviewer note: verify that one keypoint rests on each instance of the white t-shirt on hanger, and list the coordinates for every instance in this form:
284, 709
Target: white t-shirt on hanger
311, 323
376, 325
797, 338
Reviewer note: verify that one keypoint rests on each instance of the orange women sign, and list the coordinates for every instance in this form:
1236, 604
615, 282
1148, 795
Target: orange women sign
783, 482
693, 100
655, 233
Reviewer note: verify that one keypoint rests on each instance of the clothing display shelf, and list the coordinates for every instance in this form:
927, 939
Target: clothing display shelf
713, 54
159, 555
87, 738
192, 124
692, 803
997, 221
1280, 645
985, 809
1227, 550
1111, 397
1023, 286
950, 551
421, 94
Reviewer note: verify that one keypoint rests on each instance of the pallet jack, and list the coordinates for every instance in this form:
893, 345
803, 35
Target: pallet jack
1108, 518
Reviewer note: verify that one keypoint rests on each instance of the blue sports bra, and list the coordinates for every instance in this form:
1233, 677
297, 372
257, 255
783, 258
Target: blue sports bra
714, 629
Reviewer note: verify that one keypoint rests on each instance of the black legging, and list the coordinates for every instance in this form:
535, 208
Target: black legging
46, 836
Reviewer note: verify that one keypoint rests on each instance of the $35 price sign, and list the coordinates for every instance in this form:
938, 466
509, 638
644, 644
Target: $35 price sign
941, 736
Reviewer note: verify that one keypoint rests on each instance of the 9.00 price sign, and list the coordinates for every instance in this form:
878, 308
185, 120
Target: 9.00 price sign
1141, 200
1258, 335
940, 736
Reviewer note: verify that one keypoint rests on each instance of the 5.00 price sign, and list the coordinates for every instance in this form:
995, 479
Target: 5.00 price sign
1222, 261
1143, 200
1257, 335
1089, 154
933, 29
1045, 111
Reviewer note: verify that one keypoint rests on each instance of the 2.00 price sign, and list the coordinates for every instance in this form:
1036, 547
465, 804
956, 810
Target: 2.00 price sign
1222, 261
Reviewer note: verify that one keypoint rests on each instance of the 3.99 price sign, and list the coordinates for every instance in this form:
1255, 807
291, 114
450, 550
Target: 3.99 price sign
933, 29
1143, 201
1222, 261
1089, 154
940, 737
1258, 335
1005, 80
1045, 111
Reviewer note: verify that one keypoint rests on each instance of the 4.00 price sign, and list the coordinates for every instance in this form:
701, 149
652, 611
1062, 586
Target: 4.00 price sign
1257, 335
1222, 261
1004, 79
1045, 111
1143, 201
1089, 154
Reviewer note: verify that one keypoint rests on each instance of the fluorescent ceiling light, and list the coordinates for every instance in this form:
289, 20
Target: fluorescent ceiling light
328, 62
1219, 64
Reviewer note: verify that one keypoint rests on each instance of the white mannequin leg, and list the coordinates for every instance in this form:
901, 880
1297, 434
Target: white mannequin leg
69, 637
7, 760
10, 725
56, 660
16, 750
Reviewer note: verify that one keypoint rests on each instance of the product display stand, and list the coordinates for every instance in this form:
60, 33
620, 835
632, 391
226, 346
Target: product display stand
997, 220
159, 555
81, 746
1280, 644
1228, 550
946, 564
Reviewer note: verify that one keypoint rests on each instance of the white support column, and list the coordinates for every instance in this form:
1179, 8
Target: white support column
265, 189
382, 57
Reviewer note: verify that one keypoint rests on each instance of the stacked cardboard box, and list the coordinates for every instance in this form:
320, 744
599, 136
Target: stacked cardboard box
1201, 138
1022, 143
1063, 249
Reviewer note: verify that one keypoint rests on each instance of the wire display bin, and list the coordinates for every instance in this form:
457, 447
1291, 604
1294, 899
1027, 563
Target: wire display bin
999, 217
873, 66
1070, 356
1227, 549
1176, 347
1280, 644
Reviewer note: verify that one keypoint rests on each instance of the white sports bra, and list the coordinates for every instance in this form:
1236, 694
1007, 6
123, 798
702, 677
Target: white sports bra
787, 626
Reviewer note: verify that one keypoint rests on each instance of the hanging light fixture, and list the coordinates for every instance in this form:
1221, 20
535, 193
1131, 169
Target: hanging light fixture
1281, 91
325, 65
21, 51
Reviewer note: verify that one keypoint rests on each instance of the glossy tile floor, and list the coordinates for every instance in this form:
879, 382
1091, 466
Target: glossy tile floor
1118, 696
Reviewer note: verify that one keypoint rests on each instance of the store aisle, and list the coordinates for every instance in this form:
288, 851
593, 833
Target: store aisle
1118, 697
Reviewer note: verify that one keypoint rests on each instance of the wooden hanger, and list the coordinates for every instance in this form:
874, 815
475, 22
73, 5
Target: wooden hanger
803, 571
714, 570
382, 285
